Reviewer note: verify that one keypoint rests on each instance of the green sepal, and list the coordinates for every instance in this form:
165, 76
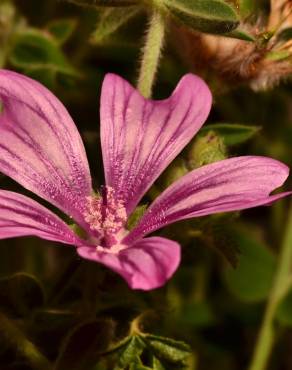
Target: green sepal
136, 215
78, 230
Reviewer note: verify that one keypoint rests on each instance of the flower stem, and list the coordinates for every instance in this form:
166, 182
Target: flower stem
151, 53
281, 284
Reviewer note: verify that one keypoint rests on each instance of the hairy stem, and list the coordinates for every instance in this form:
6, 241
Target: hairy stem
151, 53
266, 338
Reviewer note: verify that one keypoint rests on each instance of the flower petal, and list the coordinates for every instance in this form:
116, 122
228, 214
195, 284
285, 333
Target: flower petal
20, 215
146, 265
40, 146
227, 185
141, 137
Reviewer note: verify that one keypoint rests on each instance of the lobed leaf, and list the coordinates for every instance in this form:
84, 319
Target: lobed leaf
157, 365
36, 50
167, 349
128, 350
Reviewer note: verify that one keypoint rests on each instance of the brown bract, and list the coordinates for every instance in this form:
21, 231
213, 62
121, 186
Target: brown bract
261, 64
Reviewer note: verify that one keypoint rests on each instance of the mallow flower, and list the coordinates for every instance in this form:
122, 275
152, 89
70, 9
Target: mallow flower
41, 149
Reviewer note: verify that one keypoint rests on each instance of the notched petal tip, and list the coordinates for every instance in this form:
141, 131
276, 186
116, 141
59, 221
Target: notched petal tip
189, 83
194, 84
140, 137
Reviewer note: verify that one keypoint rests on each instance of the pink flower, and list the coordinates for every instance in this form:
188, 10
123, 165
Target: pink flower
41, 149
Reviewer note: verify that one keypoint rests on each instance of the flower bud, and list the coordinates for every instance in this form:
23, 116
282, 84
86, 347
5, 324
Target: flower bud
206, 149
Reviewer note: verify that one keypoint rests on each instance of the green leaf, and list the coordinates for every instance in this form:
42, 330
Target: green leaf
167, 349
247, 7
232, 133
284, 310
251, 281
62, 29
157, 365
110, 20
241, 35
20, 294
83, 345
128, 351
46, 76
137, 365
34, 50
211, 16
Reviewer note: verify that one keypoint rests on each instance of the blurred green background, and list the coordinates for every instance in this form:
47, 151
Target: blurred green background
59, 312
